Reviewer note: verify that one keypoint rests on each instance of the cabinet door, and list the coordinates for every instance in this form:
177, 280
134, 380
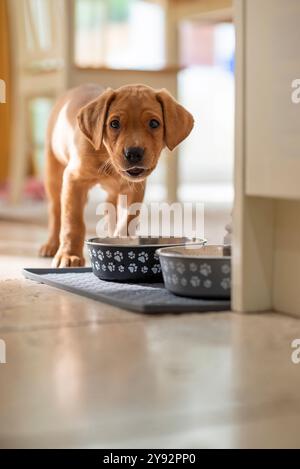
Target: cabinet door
272, 120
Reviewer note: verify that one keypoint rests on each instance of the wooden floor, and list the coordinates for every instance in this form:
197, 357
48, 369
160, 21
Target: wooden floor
82, 374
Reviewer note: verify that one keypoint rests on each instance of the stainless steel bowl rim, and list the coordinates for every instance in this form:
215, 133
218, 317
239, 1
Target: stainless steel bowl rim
161, 252
199, 242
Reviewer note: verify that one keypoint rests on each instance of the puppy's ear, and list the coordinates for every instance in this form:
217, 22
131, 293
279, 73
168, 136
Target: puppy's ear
178, 121
91, 118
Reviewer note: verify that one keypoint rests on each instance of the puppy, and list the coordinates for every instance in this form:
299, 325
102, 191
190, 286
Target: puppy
108, 137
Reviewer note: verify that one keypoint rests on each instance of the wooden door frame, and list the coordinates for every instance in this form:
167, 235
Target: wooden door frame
5, 109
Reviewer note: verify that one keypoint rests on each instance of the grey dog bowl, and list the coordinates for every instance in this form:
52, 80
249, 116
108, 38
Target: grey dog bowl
197, 271
129, 259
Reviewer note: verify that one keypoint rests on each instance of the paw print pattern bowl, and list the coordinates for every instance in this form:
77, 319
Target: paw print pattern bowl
197, 271
130, 259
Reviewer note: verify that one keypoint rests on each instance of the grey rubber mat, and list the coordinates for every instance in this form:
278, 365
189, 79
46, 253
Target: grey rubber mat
142, 298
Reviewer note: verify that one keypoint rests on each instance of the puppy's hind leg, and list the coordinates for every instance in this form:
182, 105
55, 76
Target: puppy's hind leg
53, 185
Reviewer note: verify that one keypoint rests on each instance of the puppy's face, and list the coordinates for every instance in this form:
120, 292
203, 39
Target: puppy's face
135, 123
134, 132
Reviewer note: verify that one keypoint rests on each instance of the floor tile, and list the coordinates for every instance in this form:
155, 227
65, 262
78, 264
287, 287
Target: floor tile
141, 383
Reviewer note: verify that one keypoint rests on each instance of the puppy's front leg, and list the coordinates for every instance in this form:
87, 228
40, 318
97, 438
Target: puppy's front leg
73, 199
135, 195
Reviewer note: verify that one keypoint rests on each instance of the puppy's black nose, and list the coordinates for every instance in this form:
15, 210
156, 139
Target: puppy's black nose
134, 154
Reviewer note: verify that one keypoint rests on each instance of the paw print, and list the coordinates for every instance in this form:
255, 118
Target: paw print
183, 282
144, 269
156, 269
131, 255
156, 257
207, 283
111, 267
100, 255
121, 268
94, 253
225, 269
143, 257
118, 256
180, 267
205, 269
104, 267
108, 254
225, 283
195, 281
193, 267
132, 268
97, 265
174, 279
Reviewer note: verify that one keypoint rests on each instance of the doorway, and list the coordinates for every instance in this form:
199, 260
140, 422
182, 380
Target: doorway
206, 86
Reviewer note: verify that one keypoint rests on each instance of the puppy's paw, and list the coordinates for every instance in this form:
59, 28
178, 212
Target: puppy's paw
62, 260
48, 249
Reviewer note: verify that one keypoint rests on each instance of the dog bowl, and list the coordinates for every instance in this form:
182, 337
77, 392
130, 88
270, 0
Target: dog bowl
130, 259
197, 271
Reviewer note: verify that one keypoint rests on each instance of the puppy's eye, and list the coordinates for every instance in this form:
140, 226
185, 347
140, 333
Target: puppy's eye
115, 124
153, 124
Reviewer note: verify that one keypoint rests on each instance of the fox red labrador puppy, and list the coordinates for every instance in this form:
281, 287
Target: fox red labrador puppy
108, 137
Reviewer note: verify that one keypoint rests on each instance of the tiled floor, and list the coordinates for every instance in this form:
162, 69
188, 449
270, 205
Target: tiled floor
82, 374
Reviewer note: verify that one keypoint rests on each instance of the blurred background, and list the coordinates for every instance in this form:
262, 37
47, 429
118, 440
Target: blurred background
187, 46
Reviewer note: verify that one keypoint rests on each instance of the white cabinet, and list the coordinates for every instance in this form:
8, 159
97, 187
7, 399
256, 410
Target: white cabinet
266, 227
272, 120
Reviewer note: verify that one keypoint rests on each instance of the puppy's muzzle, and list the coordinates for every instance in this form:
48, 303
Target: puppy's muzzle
134, 155
134, 158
